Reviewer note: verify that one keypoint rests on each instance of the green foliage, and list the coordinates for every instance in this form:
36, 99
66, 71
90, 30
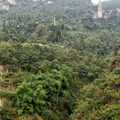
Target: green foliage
30, 100
51, 115
55, 68
56, 35
38, 93
7, 94
7, 111
111, 114
112, 4
103, 101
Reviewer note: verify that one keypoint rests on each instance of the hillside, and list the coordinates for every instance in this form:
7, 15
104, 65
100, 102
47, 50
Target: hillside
58, 62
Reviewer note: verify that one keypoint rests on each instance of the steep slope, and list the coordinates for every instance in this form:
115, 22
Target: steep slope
59, 61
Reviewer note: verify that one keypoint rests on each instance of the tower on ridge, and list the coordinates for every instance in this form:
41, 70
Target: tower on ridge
100, 12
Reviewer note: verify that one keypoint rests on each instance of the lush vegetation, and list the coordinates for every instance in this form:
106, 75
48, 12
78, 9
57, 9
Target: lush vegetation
62, 63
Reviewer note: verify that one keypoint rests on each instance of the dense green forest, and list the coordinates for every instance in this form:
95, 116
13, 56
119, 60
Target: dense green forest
59, 63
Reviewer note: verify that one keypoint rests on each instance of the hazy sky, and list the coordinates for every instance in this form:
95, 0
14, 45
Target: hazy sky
96, 1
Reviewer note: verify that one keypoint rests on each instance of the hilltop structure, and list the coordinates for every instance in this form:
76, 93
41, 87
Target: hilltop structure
102, 14
99, 13
11, 1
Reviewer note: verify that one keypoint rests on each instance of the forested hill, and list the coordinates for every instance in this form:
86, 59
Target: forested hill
58, 62
111, 5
